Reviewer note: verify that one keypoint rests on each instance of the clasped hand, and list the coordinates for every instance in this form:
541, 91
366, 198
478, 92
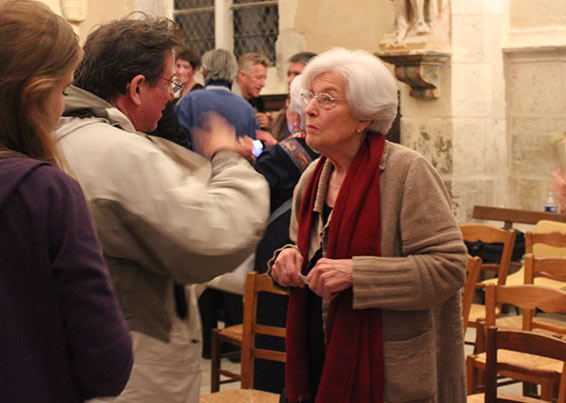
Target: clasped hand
327, 277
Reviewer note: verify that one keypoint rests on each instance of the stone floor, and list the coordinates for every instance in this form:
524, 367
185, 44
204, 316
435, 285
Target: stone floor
514, 389
205, 378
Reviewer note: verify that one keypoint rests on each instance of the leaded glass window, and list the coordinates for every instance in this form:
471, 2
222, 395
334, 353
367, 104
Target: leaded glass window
256, 26
196, 19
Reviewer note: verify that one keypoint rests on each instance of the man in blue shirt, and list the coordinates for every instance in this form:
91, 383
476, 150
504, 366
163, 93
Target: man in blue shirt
219, 67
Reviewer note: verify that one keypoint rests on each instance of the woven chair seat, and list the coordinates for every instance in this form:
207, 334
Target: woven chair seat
235, 332
516, 322
480, 398
521, 360
477, 312
240, 396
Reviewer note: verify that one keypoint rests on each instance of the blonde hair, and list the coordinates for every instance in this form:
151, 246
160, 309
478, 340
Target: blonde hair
38, 49
247, 61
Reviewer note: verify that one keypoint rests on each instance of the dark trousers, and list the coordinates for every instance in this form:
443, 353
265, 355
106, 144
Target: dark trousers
215, 305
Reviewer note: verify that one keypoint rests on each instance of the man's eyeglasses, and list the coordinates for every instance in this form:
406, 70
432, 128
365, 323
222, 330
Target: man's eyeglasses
174, 83
324, 100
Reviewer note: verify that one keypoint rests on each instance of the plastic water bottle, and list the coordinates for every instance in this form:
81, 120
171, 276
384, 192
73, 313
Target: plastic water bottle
550, 205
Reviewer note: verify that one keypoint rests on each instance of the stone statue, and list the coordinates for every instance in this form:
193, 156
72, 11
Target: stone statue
74, 10
413, 14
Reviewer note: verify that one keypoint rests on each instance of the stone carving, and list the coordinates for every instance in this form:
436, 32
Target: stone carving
418, 45
404, 20
420, 70
74, 10
417, 23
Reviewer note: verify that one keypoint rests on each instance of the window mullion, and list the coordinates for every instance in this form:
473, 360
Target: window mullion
224, 25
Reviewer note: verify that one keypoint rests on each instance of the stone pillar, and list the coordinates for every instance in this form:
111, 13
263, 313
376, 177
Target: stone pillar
535, 67
456, 118
478, 122
223, 25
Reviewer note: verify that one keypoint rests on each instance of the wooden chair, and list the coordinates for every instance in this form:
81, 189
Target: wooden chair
240, 396
488, 234
233, 336
244, 336
547, 240
523, 343
256, 283
525, 368
473, 268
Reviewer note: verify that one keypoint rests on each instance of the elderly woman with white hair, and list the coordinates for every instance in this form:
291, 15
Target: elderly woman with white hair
376, 248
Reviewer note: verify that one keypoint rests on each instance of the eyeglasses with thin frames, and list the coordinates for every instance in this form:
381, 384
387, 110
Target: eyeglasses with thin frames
174, 83
324, 100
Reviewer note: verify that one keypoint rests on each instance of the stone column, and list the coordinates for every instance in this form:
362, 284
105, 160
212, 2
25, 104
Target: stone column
535, 68
458, 124
478, 122
223, 25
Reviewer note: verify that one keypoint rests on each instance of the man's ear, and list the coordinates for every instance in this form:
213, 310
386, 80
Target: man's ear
135, 87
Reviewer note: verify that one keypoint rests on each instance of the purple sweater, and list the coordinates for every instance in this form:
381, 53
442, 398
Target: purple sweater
62, 337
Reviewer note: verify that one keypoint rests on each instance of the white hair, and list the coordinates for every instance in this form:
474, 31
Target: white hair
371, 90
296, 103
219, 64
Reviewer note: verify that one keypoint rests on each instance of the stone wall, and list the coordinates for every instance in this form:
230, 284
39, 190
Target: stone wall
535, 72
477, 99
502, 90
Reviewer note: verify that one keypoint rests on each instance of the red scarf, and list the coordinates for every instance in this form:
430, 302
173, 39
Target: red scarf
353, 368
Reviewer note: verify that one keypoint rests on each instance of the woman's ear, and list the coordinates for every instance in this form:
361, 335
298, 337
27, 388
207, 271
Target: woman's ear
363, 125
134, 89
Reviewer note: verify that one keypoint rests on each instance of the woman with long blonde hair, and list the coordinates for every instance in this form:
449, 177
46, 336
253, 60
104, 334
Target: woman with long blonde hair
63, 337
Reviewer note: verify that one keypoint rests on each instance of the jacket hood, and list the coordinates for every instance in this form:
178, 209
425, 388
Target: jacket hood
84, 108
81, 103
13, 171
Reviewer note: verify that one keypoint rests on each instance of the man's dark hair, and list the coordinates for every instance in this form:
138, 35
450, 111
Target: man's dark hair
118, 51
302, 57
188, 55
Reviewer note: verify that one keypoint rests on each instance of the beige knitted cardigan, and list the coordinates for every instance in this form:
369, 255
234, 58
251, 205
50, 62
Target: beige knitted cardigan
416, 281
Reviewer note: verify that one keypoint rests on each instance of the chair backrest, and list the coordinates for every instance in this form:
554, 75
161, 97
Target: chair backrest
490, 234
527, 297
256, 283
553, 268
548, 267
548, 239
473, 273
524, 342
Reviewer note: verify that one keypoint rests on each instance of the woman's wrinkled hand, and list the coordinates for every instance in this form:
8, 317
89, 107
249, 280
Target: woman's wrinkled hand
266, 137
330, 276
286, 269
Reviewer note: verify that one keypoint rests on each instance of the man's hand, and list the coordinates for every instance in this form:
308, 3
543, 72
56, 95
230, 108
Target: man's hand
264, 119
330, 276
216, 135
287, 267
246, 147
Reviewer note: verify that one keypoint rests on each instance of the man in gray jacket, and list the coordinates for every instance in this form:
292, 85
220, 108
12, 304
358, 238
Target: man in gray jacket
162, 213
